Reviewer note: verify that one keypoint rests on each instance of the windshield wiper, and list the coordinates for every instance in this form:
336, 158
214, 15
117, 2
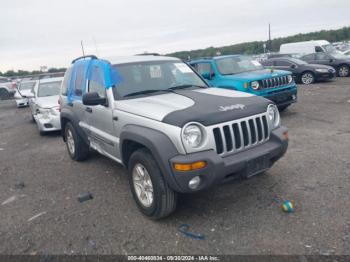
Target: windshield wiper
185, 86
144, 92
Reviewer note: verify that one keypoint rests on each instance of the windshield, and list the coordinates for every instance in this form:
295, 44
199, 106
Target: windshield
154, 76
49, 89
340, 56
26, 86
237, 64
330, 49
297, 61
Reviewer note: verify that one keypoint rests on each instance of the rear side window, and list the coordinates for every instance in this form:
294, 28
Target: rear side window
66, 81
282, 63
318, 49
309, 57
79, 81
204, 68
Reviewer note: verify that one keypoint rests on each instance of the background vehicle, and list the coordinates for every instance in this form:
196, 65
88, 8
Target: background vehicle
307, 47
302, 71
244, 74
25, 90
44, 104
172, 132
340, 62
347, 53
7, 88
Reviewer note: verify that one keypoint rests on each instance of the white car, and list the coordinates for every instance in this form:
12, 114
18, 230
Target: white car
346, 52
44, 104
24, 92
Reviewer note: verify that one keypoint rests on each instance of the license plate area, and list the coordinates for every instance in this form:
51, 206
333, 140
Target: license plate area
257, 165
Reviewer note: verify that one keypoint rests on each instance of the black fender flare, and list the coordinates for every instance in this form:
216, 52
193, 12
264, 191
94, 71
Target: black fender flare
67, 116
157, 143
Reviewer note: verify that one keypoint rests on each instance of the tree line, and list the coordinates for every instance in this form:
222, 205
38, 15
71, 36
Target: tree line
257, 47
12, 73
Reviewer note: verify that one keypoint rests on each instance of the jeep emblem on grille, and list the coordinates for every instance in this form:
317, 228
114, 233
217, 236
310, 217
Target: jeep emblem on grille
231, 107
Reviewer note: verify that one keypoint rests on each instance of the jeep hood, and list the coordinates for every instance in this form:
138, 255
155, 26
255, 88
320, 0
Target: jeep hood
258, 75
47, 102
206, 106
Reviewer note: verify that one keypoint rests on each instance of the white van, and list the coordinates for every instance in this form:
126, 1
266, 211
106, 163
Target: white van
307, 47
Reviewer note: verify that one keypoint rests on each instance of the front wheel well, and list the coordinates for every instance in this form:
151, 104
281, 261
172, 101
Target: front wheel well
64, 122
128, 148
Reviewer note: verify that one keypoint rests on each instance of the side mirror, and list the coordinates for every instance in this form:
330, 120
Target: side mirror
331, 60
207, 75
293, 66
93, 99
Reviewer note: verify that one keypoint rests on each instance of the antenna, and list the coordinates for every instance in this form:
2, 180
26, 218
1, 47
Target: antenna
82, 47
270, 38
94, 40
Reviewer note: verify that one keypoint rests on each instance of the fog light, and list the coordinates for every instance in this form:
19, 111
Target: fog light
285, 135
194, 182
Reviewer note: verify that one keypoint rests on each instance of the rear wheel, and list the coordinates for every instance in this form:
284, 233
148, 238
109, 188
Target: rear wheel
307, 78
77, 148
151, 193
343, 71
4, 94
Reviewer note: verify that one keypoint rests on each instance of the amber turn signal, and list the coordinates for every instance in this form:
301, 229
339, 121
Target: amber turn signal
285, 135
190, 166
246, 85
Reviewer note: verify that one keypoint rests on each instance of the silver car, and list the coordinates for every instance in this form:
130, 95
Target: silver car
24, 92
44, 104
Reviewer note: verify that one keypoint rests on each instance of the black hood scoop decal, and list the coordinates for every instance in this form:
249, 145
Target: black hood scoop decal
210, 109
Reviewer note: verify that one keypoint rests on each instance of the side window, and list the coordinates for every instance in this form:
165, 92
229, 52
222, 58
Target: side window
318, 49
204, 68
268, 63
96, 81
65, 82
321, 56
309, 57
282, 63
79, 81
97, 87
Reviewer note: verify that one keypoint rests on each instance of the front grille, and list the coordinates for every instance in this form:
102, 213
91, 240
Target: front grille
240, 134
274, 82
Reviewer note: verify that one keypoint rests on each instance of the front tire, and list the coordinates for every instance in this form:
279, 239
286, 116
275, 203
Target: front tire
78, 150
343, 71
283, 108
307, 78
150, 191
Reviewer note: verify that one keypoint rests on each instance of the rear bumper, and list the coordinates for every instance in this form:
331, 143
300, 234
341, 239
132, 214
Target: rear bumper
220, 169
50, 123
22, 102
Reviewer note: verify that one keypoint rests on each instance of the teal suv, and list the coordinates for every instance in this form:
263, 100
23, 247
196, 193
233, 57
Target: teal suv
243, 73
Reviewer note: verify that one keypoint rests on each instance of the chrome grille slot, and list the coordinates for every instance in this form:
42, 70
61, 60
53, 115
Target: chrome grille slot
274, 82
240, 134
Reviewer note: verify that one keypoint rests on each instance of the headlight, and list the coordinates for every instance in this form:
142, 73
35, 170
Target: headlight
322, 70
54, 111
273, 116
255, 85
192, 135
290, 79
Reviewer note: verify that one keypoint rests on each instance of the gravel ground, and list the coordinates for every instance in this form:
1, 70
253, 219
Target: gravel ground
243, 217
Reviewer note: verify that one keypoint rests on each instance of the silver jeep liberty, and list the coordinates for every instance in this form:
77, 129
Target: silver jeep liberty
156, 116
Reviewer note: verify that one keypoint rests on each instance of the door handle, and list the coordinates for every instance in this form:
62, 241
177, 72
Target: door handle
88, 109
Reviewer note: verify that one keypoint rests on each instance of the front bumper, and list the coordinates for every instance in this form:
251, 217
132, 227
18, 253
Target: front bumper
325, 76
22, 102
48, 123
283, 98
221, 169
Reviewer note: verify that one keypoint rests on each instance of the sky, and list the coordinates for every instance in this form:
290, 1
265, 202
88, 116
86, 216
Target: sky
48, 33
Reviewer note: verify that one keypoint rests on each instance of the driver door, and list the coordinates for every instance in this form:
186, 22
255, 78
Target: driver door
100, 121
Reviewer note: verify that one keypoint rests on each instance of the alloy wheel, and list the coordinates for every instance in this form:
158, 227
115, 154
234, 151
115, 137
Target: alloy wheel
143, 185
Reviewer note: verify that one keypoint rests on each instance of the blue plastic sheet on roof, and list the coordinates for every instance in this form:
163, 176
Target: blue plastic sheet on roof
100, 71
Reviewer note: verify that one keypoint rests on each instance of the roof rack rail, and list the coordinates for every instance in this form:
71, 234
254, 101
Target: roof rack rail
205, 57
83, 57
